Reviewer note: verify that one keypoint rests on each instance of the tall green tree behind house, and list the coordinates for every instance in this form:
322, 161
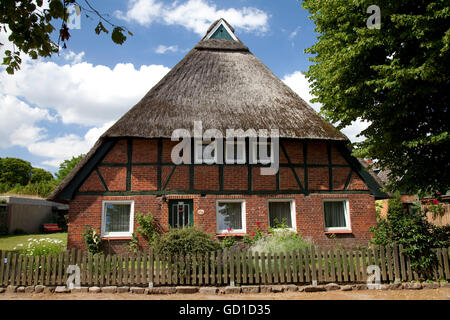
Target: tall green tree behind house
396, 77
15, 171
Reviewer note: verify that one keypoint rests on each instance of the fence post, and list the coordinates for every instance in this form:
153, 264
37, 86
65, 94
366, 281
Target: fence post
396, 263
446, 266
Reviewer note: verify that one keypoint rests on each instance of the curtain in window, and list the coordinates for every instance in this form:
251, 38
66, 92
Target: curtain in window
334, 214
117, 218
280, 212
230, 215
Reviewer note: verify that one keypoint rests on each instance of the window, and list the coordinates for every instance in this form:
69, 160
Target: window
336, 215
235, 152
230, 216
117, 218
282, 212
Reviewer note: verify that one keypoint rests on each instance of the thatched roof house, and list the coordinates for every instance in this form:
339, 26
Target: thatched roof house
221, 83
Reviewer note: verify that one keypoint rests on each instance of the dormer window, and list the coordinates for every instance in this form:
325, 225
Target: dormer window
221, 31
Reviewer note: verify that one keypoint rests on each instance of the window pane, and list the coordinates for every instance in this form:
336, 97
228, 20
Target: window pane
230, 215
117, 217
334, 214
280, 212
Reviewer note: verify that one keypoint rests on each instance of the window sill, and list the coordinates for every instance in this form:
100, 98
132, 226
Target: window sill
338, 231
220, 235
117, 238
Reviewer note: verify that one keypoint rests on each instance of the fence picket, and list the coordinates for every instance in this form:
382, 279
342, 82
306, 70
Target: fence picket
404, 275
308, 266
383, 264
446, 264
440, 265
313, 264
358, 265
19, 269
395, 257
151, 265
389, 263
219, 260
258, 275
13, 269
320, 265
2, 267
294, 257
301, 276
338, 274
282, 267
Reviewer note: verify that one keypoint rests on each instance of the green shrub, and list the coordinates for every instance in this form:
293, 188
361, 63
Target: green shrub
92, 240
414, 232
188, 240
39, 247
279, 241
148, 227
228, 242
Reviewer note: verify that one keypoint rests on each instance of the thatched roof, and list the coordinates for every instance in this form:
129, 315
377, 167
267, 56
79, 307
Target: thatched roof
221, 83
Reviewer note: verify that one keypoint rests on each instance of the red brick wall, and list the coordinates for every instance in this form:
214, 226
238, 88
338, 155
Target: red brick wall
86, 210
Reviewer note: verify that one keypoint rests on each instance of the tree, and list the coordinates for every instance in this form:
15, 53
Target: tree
397, 78
40, 175
15, 171
66, 167
32, 25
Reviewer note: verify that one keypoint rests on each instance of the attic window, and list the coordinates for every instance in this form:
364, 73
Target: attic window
221, 31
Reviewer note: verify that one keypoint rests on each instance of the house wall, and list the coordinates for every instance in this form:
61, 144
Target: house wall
134, 169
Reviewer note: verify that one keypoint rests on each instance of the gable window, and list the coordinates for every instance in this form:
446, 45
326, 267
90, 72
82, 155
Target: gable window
235, 152
117, 218
336, 215
230, 216
282, 212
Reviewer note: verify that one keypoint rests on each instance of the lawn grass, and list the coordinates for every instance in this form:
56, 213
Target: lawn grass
7, 243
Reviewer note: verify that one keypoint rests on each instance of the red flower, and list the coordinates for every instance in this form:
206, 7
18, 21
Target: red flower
253, 234
258, 223
229, 229
435, 201
438, 193
428, 202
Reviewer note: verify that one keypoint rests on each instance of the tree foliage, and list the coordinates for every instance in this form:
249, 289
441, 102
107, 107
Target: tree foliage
15, 171
66, 167
17, 176
33, 27
396, 77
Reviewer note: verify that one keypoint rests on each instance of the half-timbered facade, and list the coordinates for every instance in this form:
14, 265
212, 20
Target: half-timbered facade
320, 190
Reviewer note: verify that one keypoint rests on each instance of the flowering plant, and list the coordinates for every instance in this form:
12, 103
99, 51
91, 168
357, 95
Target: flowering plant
434, 206
39, 247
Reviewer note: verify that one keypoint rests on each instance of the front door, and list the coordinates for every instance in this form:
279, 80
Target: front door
181, 213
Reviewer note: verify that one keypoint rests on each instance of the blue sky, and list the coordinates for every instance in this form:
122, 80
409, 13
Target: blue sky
56, 108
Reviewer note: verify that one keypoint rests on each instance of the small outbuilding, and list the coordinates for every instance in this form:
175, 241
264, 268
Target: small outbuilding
22, 214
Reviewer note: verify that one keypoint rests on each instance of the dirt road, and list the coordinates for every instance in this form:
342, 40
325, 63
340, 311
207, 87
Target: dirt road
424, 294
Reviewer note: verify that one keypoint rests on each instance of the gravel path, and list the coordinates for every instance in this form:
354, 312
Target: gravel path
424, 294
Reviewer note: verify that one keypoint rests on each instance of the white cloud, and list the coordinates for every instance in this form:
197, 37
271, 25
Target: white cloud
300, 85
162, 49
65, 147
73, 57
82, 93
194, 15
18, 122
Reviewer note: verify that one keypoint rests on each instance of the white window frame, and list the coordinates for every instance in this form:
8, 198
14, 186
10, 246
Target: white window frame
235, 160
117, 234
221, 23
243, 217
293, 214
346, 215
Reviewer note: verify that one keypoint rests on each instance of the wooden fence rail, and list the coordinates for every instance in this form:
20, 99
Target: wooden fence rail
216, 268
